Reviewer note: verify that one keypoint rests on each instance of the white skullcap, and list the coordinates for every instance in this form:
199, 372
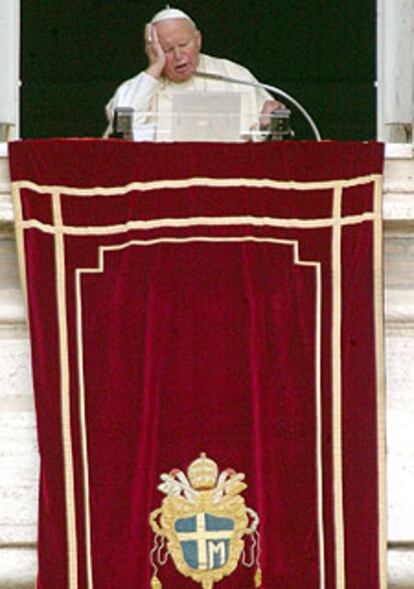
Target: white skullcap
169, 14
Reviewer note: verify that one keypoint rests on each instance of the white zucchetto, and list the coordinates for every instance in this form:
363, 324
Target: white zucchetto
169, 14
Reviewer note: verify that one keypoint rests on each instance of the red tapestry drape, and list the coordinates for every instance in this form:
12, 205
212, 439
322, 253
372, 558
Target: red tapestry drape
216, 298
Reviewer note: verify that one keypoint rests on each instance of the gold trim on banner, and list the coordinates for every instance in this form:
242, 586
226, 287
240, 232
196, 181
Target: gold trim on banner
195, 222
84, 439
380, 365
197, 181
65, 397
102, 250
337, 389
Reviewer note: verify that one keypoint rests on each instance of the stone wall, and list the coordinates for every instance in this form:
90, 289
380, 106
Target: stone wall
399, 314
19, 465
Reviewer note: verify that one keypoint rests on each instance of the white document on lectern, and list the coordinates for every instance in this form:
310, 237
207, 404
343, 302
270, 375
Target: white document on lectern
202, 116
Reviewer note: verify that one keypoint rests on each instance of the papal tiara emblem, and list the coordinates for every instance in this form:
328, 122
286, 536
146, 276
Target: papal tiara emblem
203, 524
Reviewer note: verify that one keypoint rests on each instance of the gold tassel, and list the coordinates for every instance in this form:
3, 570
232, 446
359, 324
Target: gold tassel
258, 577
155, 583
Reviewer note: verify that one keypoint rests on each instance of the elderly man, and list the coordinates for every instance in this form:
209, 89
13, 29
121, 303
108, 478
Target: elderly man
175, 64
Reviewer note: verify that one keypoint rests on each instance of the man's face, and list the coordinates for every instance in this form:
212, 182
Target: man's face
181, 44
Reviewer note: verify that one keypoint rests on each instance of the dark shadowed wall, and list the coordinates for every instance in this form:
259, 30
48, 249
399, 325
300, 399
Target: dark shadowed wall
76, 52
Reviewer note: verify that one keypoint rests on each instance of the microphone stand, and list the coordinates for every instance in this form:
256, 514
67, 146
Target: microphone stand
272, 89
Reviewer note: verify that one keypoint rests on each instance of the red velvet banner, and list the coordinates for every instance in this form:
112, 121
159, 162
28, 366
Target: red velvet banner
206, 327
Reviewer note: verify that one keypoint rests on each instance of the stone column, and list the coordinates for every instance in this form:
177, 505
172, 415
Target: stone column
395, 70
19, 463
9, 68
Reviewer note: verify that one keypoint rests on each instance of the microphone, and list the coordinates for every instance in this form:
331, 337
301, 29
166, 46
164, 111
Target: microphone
272, 89
122, 123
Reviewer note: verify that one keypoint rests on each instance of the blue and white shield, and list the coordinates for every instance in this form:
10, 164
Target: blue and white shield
205, 540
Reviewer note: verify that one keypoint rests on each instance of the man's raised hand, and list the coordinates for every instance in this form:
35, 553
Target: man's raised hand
155, 54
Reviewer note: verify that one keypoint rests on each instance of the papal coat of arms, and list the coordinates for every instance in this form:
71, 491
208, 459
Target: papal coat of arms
203, 524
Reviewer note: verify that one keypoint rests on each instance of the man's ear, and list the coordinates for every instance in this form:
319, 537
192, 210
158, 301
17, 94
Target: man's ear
199, 40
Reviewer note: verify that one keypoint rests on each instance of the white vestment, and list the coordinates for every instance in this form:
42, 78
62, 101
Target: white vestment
150, 97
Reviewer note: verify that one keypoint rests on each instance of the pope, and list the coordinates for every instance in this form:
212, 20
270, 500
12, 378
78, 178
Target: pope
176, 64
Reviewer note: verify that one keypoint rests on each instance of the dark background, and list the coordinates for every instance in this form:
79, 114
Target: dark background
76, 52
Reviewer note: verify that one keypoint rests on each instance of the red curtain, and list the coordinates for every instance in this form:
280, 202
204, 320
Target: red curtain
217, 298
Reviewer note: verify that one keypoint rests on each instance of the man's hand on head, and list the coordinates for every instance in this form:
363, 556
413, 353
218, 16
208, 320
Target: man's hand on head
155, 54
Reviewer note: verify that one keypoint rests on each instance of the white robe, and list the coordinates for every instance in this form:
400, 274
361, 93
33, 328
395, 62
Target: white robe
151, 98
